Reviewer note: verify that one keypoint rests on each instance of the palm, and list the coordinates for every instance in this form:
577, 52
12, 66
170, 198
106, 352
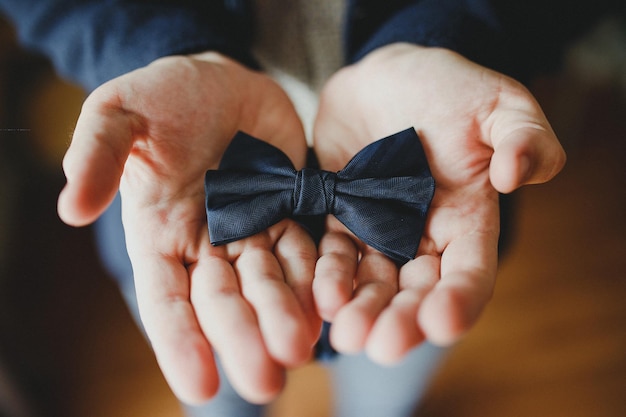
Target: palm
158, 130
462, 112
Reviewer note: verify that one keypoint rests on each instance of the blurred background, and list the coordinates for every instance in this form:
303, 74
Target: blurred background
551, 343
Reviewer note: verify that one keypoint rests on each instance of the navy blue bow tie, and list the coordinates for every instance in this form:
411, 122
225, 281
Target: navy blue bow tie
382, 195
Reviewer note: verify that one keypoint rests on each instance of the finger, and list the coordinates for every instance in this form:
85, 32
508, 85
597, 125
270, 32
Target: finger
297, 254
181, 349
526, 149
335, 272
526, 156
95, 159
468, 271
376, 284
396, 332
231, 325
280, 318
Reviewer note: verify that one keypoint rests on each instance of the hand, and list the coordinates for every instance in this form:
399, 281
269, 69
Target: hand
154, 132
482, 133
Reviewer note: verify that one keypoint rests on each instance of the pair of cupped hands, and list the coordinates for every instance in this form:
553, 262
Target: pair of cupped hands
258, 303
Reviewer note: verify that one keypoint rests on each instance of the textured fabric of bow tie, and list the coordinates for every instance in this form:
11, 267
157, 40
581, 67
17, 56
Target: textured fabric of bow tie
382, 195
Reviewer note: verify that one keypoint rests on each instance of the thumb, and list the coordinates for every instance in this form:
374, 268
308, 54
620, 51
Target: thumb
94, 162
526, 152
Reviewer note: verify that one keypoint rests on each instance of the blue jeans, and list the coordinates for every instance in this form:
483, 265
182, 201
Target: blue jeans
361, 388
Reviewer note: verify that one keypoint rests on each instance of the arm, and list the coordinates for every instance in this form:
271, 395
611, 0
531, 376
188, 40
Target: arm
91, 42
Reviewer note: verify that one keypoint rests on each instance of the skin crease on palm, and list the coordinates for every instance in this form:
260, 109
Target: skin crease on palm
258, 302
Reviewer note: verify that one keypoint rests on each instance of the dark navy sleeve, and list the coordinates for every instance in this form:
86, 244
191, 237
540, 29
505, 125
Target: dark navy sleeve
469, 27
519, 38
92, 41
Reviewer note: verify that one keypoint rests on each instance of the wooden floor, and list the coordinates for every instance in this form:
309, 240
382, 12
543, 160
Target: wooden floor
551, 343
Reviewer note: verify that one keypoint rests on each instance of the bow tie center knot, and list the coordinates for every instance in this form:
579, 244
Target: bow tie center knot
314, 192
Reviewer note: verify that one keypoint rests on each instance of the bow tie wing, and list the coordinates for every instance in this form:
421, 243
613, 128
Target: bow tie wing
383, 195
246, 153
398, 155
252, 190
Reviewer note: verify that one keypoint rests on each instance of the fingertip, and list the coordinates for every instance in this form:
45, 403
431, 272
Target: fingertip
349, 331
265, 389
327, 312
79, 209
393, 336
382, 356
64, 209
446, 316
70, 212
191, 375
196, 395
507, 175
292, 347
